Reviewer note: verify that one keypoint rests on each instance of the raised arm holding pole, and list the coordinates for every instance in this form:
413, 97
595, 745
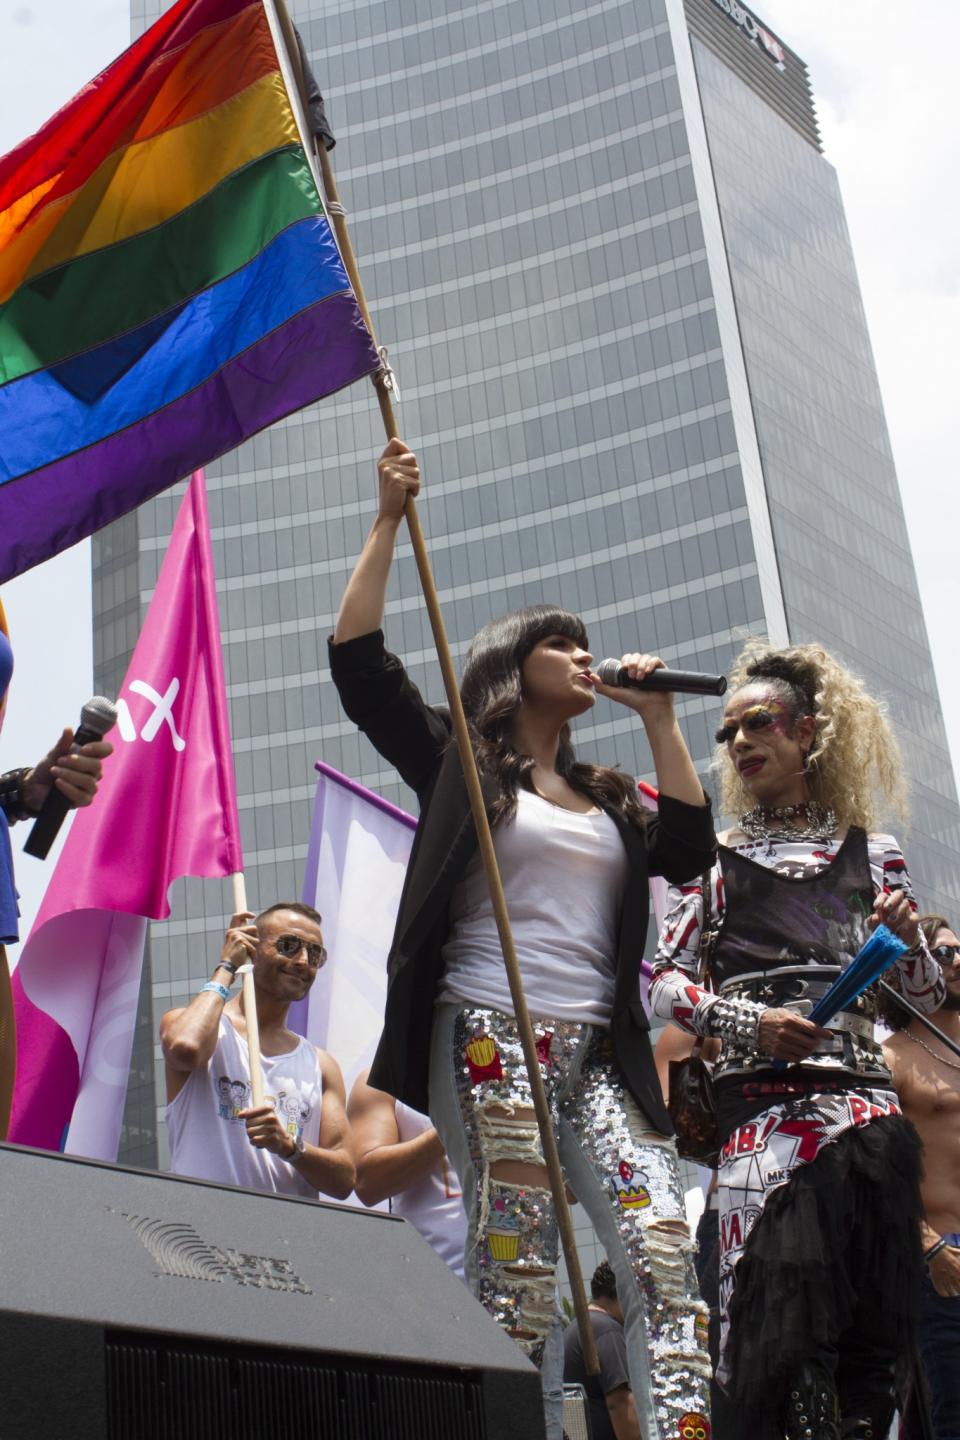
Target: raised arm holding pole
491, 1077
383, 383
289, 58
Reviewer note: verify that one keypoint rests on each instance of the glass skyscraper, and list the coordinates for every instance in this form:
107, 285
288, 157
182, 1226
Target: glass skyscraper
611, 266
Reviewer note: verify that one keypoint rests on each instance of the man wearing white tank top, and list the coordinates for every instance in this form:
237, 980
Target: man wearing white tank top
298, 1142
400, 1158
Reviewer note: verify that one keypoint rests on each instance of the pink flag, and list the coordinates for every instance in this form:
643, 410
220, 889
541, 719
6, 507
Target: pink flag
166, 807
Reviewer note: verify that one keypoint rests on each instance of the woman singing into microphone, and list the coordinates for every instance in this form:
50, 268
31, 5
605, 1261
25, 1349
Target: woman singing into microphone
819, 1171
575, 849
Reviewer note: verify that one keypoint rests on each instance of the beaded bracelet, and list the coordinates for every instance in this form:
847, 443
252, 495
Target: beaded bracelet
216, 989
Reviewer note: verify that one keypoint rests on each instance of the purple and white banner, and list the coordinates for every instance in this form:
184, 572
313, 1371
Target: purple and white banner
359, 848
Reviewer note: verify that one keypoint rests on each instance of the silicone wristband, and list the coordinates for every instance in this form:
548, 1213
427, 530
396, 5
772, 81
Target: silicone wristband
217, 989
935, 1249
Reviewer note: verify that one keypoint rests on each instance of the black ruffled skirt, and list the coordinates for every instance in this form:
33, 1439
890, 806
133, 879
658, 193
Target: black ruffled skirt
831, 1273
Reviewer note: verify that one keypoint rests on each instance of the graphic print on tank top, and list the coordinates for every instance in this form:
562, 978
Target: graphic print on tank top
208, 1137
234, 1096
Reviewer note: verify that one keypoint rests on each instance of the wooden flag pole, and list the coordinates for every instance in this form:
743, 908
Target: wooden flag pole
249, 1000
384, 388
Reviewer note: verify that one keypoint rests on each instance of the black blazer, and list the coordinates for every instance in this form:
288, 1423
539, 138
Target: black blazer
679, 843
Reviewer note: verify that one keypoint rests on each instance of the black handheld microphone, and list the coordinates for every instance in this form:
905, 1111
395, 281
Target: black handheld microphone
97, 717
683, 682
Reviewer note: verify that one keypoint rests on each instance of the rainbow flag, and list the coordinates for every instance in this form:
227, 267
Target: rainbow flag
169, 282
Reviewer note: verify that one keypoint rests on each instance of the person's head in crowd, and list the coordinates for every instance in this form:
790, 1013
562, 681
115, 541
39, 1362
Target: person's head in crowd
799, 727
944, 947
289, 952
603, 1291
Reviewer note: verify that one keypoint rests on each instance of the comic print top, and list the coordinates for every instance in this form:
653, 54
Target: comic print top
786, 909
790, 914
208, 1139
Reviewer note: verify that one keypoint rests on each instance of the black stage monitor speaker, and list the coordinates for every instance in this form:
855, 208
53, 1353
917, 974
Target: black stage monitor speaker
142, 1306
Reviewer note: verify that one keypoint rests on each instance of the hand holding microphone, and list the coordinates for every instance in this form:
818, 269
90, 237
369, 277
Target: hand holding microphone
68, 775
644, 684
648, 673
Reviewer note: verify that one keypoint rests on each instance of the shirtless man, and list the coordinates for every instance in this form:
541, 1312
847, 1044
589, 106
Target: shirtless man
927, 1081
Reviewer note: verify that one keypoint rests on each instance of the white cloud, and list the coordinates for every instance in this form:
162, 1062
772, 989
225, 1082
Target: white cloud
48, 51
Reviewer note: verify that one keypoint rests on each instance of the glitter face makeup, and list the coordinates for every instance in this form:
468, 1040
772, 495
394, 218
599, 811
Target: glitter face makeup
768, 714
766, 743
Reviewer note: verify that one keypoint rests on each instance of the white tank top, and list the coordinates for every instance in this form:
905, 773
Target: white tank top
563, 878
210, 1143
435, 1204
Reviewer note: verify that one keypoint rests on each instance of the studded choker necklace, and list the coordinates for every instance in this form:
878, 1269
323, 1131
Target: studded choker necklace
807, 821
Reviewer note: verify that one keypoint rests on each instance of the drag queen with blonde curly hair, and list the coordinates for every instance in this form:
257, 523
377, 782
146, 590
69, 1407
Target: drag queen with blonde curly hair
819, 1171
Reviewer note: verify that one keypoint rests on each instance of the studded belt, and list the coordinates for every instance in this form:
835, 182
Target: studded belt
799, 988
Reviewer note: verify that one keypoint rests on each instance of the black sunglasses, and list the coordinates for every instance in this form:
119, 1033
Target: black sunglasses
290, 945
946, 954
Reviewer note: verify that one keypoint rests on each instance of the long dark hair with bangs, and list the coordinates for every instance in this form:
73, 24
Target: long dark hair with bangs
492, 691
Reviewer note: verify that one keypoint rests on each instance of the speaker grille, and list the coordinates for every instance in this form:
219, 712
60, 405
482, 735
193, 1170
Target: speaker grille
162, 1390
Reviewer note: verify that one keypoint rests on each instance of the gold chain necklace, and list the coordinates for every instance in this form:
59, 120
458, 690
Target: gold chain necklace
953, 1064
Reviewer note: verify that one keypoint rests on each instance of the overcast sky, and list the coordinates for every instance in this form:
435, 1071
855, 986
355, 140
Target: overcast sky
885, 82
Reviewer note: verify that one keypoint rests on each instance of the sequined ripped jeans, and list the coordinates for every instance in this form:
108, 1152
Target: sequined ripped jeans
623, 1173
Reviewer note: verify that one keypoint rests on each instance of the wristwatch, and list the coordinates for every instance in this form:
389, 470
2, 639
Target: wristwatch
297, 1151
12, 802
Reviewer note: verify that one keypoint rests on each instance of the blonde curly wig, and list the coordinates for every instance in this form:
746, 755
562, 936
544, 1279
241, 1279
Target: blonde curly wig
854, 763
